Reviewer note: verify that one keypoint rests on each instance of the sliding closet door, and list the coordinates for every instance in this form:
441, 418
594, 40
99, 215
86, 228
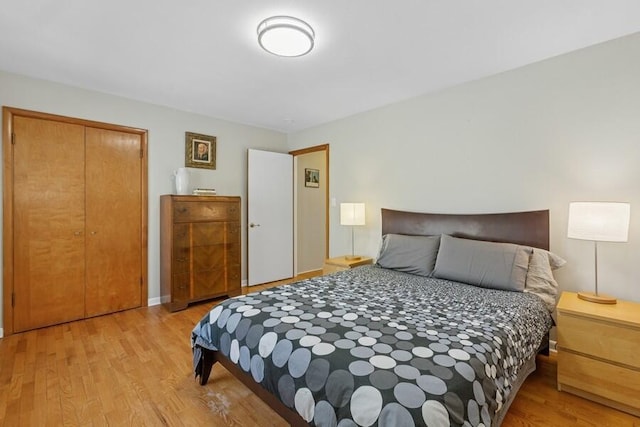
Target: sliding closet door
114, 221
48, 227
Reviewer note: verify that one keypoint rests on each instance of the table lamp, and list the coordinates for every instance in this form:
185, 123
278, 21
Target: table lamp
599, 222
352, 214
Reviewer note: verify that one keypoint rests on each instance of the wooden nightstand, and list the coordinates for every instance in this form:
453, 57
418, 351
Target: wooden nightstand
340, 263
599, 351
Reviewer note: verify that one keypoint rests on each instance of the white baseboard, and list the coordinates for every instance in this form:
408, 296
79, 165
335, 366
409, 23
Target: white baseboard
243, 282
154, 301
1, 332
553, 346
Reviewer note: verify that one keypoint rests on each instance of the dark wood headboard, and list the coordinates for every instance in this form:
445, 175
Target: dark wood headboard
523, 228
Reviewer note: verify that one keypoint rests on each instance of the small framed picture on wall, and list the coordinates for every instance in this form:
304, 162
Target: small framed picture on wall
200, 151
311, 178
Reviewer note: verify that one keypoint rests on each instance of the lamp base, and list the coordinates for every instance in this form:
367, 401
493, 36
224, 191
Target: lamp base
599, 298
352, 257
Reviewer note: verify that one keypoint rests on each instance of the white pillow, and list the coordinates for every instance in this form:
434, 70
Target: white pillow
540, 280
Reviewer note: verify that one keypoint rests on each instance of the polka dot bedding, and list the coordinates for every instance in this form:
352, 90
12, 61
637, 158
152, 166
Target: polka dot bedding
377, 347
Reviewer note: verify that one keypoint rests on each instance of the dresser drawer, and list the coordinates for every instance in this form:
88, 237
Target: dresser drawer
233, 254
210, 282
599, 338
211, 257
181, 287
181, 261
612, 382
205, 211
208, 233
233, 232
233, 279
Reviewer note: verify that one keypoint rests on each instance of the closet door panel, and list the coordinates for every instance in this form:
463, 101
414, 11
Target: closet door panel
114, 221
48, 228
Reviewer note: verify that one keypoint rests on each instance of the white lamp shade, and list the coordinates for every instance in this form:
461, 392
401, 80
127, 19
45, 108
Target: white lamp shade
351, 213
600, 221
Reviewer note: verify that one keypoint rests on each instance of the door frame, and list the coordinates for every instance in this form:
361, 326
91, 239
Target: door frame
8, 113
295, 153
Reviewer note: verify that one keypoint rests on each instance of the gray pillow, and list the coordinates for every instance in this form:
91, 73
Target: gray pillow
410, 254
486, 264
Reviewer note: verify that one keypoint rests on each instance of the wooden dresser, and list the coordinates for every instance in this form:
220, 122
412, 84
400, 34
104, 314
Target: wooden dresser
199, 248
599, 351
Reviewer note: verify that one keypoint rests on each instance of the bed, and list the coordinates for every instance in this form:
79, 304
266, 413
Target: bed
391, 345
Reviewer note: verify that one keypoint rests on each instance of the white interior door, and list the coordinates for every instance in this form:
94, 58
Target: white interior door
270, 217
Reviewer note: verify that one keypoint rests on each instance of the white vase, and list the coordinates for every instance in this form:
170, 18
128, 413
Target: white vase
181, 176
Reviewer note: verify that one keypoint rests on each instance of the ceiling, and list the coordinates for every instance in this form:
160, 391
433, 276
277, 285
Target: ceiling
202, 56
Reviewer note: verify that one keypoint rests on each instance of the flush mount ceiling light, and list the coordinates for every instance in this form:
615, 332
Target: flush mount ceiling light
285, 36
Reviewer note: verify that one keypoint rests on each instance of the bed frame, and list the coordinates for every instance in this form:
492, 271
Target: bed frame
524, 228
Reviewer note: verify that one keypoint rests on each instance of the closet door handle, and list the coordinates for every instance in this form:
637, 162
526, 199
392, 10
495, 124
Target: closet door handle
93, 233
77, 233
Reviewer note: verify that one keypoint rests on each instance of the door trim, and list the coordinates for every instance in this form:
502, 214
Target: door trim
8, 114
316, 148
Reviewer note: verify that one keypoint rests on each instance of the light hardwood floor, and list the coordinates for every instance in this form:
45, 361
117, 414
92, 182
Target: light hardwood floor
134, 368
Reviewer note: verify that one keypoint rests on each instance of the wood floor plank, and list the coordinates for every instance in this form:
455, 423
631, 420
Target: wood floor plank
12, 413
134, 368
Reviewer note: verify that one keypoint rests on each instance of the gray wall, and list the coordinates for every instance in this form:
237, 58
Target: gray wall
538, 137
166, 144
310, 213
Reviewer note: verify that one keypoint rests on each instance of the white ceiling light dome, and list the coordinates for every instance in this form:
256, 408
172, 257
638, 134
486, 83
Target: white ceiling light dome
285, 36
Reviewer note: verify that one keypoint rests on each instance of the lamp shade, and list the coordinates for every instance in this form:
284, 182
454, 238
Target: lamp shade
599, 221
352, 214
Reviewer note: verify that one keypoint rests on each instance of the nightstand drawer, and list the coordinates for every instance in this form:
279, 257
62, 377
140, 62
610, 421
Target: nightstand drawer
612, 382
613, 342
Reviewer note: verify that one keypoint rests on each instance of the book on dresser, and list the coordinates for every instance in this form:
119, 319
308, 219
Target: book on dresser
204, 192
199, 249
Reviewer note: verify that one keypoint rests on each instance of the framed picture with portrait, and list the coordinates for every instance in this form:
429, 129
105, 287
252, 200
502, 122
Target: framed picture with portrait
200, 151
311, 178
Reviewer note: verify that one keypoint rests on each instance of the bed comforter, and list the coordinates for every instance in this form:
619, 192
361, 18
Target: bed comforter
376, 347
